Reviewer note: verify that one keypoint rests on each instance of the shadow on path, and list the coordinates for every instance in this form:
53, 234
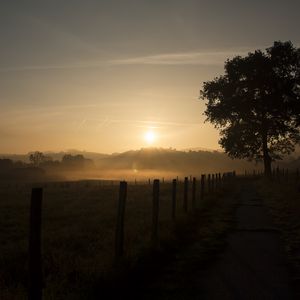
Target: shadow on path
253, 266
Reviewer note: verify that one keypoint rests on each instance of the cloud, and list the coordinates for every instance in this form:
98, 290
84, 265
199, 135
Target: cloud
147, 124
213, 57
80, 65
187, 58
207, 57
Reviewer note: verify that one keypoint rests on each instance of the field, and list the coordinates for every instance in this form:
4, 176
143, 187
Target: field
78, 231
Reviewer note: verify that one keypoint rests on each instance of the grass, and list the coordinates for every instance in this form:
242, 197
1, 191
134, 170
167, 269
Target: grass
283, 200
78, 234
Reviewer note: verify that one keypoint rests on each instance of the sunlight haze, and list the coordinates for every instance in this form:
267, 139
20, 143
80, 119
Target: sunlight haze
96, 75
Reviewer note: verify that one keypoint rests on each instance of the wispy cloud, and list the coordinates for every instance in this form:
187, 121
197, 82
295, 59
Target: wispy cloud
45, 110
108, 122
213, 57
145, 124
80, 65
186, 58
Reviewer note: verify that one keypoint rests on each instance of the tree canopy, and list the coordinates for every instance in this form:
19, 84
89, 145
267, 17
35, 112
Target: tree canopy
256, 104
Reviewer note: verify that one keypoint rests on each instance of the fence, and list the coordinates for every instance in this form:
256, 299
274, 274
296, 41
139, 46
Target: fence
207, 184
277, 174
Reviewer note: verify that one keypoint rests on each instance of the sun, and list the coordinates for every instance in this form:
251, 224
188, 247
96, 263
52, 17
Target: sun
150, 137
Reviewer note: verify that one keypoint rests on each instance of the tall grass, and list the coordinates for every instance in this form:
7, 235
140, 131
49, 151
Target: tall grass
78, 230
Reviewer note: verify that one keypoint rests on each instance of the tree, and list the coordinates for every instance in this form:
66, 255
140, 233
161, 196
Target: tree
37, 158
256, 104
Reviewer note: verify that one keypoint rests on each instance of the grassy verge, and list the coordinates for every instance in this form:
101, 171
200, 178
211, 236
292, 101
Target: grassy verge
174, 270
283, 201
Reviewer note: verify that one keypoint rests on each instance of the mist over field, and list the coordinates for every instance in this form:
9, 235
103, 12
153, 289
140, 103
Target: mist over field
143, 164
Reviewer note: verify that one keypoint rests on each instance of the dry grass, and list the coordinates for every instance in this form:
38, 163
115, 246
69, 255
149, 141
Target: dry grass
283, 199
78, 233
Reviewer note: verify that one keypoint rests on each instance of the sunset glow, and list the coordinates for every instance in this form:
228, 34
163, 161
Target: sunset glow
93, 77
150, 137
149, 149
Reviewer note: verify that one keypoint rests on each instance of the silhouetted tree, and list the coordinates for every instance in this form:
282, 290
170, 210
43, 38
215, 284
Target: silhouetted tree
256, 104
36, 158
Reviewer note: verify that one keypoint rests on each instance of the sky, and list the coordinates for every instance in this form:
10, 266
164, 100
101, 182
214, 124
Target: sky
110, 76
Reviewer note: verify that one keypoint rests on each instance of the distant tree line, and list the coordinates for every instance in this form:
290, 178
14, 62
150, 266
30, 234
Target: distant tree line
38, 165
40, 159
37, 158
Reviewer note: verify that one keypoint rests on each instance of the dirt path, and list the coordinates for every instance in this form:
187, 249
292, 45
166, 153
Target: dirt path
253, 265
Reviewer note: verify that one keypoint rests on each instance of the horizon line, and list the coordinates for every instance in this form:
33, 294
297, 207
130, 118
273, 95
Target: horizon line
116, 152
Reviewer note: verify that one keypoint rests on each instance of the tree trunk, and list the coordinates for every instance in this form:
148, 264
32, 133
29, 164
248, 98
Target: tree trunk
267, 165
266, 156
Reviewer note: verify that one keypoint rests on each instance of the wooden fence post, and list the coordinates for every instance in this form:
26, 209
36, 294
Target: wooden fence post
185, 195
194, 193
174, 188
202, 187
35, 251
119, 241
155, 212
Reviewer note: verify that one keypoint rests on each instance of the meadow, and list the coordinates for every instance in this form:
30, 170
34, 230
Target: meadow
78, 232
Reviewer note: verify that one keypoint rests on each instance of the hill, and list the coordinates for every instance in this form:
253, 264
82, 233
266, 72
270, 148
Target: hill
150, 163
